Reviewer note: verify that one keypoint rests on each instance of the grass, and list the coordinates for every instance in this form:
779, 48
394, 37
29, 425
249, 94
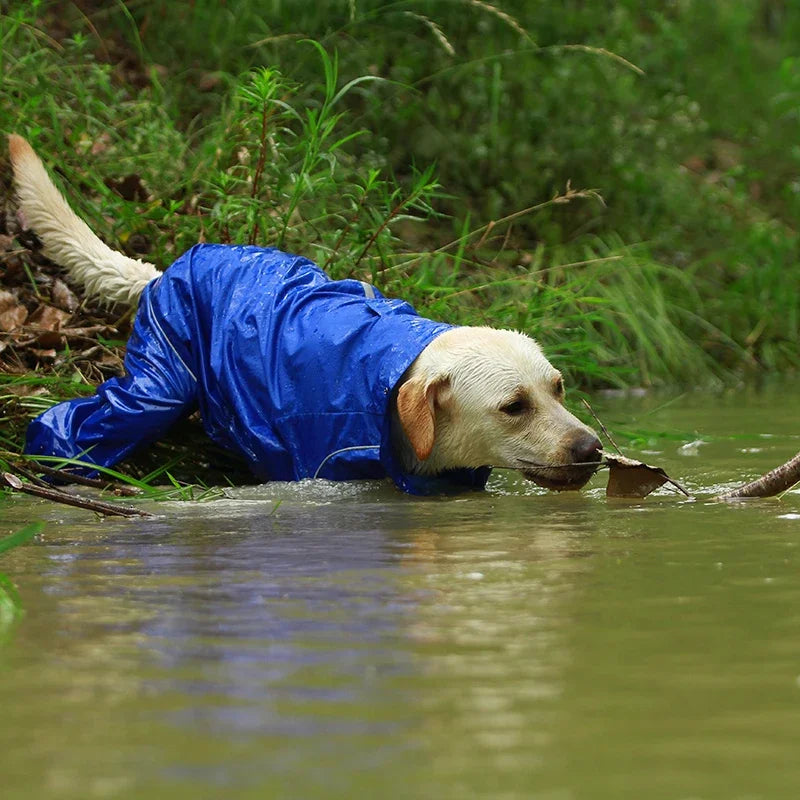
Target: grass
431, 149
10, 606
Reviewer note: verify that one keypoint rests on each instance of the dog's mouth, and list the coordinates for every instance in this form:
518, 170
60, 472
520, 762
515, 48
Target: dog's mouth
561, 478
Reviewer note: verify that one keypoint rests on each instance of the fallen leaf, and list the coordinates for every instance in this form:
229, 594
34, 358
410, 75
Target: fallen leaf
48, 339
25, 390
43, 355
47, 322
628, 477
63, 296
110, 360
7, 300
14, 265
49, 318
13, 317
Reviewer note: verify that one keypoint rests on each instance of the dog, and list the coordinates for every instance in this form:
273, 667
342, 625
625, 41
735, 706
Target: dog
304, 376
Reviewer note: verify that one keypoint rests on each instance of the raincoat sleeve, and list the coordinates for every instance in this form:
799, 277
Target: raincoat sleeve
126, 412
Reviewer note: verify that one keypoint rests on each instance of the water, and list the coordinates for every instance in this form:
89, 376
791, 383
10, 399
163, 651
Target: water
352, 642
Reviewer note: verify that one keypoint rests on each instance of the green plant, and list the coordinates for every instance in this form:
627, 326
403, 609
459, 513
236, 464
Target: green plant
258, 135
10, 606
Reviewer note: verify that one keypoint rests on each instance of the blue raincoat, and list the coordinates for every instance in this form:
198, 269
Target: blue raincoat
290, 369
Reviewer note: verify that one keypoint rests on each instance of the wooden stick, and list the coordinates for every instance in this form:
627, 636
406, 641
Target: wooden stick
771, 483
34, 479
73, 477
602, 427
57, 496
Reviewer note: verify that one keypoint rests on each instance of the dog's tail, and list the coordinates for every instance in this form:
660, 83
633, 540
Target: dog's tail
67, 239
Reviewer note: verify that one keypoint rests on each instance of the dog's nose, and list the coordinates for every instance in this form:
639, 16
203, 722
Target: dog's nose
585, 447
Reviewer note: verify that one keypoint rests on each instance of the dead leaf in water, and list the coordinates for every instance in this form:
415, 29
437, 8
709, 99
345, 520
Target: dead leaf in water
628, 477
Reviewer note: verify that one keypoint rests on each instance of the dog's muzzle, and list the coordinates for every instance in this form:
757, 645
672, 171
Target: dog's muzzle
584, 452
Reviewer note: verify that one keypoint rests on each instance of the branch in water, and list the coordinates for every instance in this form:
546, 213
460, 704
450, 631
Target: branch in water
57, 496
774, 482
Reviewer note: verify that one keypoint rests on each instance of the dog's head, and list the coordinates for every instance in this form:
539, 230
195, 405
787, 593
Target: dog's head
479, 396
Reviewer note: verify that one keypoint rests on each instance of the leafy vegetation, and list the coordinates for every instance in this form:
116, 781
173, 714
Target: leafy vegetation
619, 182
10, 607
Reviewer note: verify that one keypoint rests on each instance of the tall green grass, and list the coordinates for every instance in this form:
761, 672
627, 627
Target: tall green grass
429, 149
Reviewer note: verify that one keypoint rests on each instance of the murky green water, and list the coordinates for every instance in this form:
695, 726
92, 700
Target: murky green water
354, 642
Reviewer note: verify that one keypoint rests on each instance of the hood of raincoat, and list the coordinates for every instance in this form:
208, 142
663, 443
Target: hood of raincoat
289, 368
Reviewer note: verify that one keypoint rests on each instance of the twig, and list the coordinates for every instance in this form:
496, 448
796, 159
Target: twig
345, 231
73, 477
774, 482
602, 427
389, 217
525, 464
57, 496
33, 332
569, 195
26, 473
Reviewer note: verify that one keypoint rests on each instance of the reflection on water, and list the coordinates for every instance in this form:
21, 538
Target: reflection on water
331, 640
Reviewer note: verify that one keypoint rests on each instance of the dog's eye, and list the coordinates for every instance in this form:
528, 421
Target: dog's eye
558, 386
515, 408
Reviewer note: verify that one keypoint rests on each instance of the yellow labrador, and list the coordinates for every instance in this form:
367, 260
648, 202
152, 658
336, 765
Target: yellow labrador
474, 397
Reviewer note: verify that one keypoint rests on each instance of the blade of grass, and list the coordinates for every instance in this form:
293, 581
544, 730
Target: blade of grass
20, 537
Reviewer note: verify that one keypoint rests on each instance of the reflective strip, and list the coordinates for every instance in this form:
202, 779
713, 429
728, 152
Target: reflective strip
166, 339
344, 450
369, 290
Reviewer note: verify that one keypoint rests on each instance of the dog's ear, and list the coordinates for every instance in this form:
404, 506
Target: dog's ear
417, 400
